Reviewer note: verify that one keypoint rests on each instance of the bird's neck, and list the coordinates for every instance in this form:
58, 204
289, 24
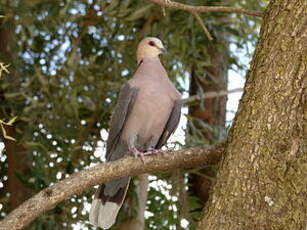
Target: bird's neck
151, 68
150, 61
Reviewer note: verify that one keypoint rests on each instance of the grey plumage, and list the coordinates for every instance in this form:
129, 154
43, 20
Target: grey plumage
147, 113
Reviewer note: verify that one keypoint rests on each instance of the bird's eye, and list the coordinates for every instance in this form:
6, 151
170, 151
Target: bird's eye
151, 43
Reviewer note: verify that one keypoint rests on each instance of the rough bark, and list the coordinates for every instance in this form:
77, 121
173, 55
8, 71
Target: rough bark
128, 166
262, 179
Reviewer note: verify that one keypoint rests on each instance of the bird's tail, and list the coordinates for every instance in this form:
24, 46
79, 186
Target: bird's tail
107, 201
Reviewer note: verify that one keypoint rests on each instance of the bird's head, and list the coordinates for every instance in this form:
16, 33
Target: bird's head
148, 48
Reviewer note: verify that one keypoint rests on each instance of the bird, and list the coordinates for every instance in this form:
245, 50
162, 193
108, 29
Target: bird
146, 114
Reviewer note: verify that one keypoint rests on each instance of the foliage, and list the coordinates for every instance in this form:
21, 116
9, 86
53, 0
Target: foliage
71, 58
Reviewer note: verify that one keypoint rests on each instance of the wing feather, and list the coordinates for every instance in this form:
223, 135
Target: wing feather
123, 108
171, 124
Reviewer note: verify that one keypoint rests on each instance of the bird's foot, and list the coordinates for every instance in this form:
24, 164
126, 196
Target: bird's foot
141, 155
153, 151
138, 153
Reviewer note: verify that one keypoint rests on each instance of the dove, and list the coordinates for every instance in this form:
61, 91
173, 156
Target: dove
147, 113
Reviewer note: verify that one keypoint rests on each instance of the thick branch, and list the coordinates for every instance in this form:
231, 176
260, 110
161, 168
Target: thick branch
205, 9
78, 182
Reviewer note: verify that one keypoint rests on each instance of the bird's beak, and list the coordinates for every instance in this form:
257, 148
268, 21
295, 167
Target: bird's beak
163, 50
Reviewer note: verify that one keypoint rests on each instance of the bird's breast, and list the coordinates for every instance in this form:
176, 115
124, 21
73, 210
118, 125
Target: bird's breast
148, 117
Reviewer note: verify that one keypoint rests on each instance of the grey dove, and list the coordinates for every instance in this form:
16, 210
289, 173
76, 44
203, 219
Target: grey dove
147, 113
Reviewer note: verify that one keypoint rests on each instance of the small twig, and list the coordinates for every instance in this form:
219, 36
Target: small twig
205, 9
203, 26
210, 95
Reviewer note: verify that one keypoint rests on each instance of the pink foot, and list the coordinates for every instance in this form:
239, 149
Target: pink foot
154, 151
140, 154
137, 153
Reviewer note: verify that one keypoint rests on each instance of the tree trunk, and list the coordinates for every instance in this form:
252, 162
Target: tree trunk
18, 160
212, 111
214, 79
262, 180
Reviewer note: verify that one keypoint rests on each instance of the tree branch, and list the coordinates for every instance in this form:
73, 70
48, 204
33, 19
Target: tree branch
210, 95
205, 9
203, 26
128, 166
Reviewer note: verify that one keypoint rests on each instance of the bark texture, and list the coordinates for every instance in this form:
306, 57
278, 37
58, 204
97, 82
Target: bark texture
262, 179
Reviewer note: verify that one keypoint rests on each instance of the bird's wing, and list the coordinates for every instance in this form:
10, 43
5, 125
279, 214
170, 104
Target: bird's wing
171, 124
123, 108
